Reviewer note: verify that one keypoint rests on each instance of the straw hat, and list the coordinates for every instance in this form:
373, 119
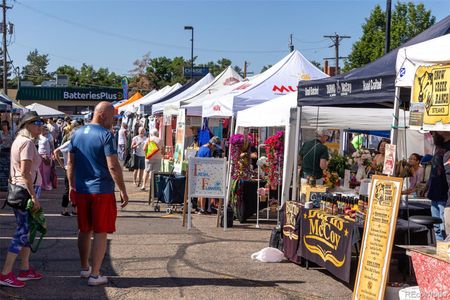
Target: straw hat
29, 117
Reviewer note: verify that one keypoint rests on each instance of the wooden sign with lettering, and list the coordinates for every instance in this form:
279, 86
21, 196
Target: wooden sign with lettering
377, 243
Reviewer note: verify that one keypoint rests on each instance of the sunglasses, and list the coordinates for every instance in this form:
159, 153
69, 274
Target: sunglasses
38, 123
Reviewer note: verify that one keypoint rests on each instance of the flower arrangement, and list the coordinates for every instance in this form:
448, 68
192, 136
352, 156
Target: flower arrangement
338, 163
330, 179
362, 157
240, 156
274, 151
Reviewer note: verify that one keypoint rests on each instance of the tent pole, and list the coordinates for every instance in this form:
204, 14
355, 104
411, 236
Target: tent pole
394, 127
296, 146
227, 196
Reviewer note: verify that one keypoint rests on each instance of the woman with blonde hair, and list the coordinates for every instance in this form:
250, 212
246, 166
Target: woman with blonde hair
25, 162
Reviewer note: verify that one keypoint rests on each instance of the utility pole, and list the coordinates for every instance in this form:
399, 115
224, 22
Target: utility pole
291, 46
387, 44
245, 69
5, 54
336, 39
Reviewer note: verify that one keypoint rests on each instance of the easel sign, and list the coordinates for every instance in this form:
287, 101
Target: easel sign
377, 243
206, 178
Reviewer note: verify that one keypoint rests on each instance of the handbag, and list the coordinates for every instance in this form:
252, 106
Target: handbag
151, 149
18, 195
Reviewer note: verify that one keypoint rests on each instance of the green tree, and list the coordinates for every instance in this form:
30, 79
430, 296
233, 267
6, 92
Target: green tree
316, 63
72, 72
407, 21
215, 68
36, 69
265, 68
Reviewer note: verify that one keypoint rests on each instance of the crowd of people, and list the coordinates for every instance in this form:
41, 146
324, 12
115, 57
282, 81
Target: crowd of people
92, 173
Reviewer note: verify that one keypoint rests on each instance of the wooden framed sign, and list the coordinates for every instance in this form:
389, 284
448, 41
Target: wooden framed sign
207, 177
377, 243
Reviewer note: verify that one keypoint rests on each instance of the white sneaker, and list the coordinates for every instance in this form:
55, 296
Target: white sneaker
98, 280
86, 273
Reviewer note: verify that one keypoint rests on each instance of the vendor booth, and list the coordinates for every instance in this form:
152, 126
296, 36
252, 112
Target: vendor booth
370, 86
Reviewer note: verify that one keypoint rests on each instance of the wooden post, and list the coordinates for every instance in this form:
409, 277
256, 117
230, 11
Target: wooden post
219, 209
185, 202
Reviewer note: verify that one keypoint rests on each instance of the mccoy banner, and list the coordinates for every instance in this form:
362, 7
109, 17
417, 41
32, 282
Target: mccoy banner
430, 96
291, 230
326, 240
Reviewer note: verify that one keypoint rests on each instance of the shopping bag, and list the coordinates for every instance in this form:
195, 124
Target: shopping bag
151, 149
37, 224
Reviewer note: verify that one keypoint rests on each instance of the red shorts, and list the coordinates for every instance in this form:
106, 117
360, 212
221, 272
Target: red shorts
95, 212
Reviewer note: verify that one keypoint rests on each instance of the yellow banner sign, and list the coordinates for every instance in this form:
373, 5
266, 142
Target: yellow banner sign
431, 91
377, 243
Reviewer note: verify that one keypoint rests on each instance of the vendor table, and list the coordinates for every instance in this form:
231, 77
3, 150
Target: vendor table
327, 239
432, 271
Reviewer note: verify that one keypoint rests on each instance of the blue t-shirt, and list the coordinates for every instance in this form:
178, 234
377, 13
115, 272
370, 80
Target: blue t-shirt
204, 151
91, 144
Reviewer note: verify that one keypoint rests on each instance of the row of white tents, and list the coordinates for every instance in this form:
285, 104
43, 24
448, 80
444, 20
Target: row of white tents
270, 99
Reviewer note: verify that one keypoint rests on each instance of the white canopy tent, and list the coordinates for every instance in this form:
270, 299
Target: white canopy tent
149, 98
224, 83
282, 78
45, 111
431, 52
174, 102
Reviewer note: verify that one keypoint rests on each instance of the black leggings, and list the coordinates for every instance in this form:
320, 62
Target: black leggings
65, 197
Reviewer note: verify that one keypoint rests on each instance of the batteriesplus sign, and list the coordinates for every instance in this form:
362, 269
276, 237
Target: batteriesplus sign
108, 96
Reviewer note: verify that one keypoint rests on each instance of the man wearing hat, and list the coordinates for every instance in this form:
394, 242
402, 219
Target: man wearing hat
314, 157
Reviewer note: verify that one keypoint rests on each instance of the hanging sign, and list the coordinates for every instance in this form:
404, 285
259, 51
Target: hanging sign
389, 160
178, 154
430, 96
377, 243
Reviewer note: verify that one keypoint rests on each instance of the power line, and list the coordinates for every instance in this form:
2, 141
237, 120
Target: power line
310, 42
138, 40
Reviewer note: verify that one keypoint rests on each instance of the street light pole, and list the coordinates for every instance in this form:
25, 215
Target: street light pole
192, 49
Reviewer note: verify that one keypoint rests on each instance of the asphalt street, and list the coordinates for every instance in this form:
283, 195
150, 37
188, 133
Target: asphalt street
151, 256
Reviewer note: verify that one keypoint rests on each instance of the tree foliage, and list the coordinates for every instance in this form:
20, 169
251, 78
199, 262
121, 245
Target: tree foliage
88, 76
36, 69
407, 21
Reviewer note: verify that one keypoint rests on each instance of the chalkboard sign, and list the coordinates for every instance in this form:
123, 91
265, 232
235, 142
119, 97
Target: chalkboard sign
207, 177
4, 169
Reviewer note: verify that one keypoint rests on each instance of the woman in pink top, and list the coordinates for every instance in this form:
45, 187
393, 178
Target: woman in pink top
417, 173
25, 162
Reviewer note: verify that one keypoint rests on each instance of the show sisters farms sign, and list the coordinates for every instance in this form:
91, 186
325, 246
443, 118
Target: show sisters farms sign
377, 243
178, 154
430, 97
326, 241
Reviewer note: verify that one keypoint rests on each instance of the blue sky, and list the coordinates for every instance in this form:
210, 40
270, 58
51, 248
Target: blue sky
113, 34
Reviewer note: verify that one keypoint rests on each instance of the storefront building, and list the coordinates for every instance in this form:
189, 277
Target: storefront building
72, 101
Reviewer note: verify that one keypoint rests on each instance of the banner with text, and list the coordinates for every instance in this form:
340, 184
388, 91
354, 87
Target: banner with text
430, 97
377, 243
326, 240
178, 154
207, 177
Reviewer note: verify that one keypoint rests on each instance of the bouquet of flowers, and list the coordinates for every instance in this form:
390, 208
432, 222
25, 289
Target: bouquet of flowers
274, 151
338, 164
330, 179
240, 156
362, 157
